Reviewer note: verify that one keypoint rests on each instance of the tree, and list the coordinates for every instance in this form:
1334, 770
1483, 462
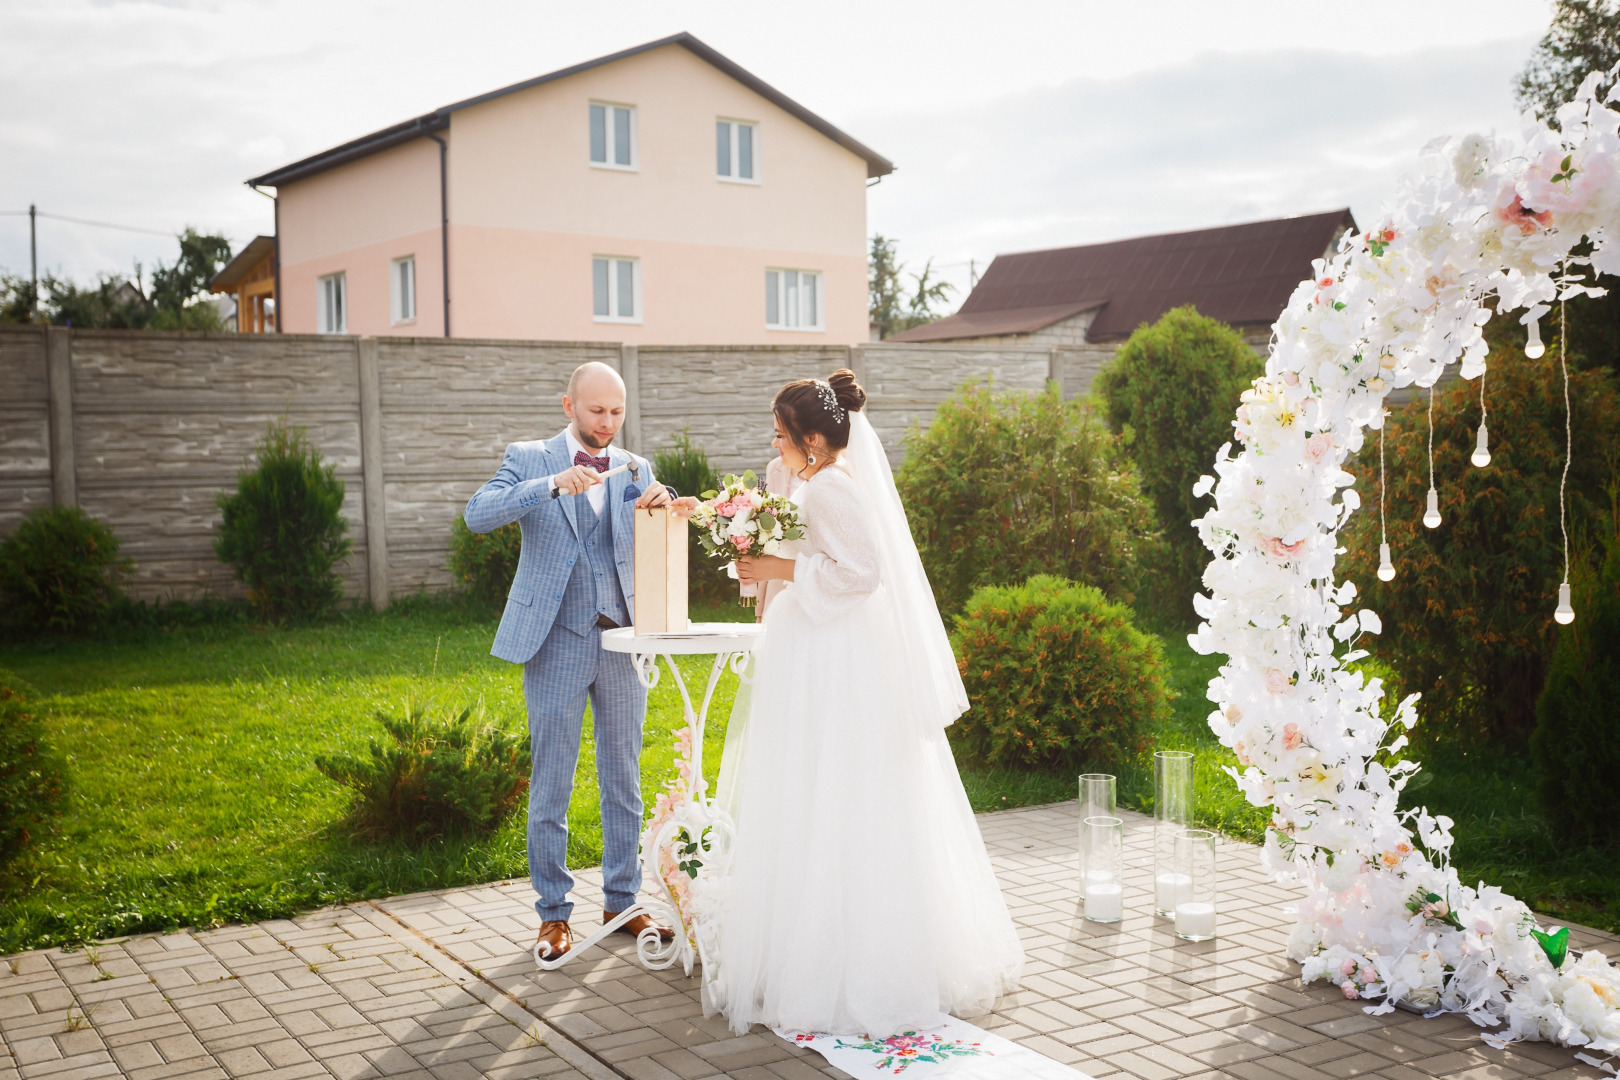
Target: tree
1468, 616
1171, 390
889, 307
1584, 37
177, 300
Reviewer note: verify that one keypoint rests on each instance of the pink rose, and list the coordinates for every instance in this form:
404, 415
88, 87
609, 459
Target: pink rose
1291, 378
1350, 991
726, 509
1368, 975
742, 543
1348, 966
1318, 446
1291, 737
1277, 681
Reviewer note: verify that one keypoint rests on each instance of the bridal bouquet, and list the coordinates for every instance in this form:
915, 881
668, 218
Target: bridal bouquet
740, 519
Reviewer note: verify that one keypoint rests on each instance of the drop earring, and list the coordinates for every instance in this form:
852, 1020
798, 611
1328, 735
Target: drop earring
810, 459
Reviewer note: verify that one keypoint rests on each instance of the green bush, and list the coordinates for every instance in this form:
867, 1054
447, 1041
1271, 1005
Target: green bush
1057, 676
485, 563
685, 467
283, 529
1171, 390
450, 774
1576, 744
59, 571
31, 773
1468, 617
1005, 485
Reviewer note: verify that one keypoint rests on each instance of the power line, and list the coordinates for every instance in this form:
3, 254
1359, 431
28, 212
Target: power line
96, 224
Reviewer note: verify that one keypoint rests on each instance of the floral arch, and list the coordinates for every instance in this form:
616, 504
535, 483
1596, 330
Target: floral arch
1386, 916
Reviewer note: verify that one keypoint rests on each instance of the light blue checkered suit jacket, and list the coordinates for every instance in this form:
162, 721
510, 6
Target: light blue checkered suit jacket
521, 492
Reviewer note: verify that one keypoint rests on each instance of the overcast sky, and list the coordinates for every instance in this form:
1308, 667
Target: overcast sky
1015, 125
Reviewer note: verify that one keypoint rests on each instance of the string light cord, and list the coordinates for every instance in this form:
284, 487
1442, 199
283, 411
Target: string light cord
1569, 433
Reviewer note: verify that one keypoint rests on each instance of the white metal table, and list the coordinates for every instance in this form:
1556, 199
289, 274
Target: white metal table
692, 841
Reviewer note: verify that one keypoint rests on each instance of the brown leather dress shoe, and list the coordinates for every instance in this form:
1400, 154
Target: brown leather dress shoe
556, 938
636, 925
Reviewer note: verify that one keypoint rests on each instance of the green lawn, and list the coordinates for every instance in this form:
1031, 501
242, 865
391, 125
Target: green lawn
194, 800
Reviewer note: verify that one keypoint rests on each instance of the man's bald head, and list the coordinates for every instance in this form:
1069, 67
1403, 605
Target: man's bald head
595, 403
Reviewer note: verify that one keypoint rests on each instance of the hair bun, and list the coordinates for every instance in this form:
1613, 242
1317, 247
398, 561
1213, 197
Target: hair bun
850, 394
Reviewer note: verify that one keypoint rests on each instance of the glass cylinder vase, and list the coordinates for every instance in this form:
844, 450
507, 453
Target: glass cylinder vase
1172, 813
1097, 795
1194, 857
1103, 850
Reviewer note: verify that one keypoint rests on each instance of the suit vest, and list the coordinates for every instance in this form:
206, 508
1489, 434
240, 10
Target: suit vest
593, 587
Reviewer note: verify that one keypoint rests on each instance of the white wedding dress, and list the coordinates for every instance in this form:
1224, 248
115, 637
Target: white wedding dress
860, 899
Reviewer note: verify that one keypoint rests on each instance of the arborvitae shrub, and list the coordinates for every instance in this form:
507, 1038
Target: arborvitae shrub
447, 774
31, 772
283, 529
1577, 740
1171, 390
59, 572
485, 563
1005, 485
685, 466
1057, 676
1468, 618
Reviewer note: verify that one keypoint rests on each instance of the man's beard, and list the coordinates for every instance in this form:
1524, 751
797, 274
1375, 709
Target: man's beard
589, 439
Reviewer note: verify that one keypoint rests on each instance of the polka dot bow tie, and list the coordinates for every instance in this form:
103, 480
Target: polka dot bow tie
600, 464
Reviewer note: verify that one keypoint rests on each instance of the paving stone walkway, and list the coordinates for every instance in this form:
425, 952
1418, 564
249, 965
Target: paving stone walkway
440, 986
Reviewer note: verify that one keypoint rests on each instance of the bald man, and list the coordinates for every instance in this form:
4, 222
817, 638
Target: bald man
576, 578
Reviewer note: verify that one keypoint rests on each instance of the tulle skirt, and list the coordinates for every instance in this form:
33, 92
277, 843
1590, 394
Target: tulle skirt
861, 899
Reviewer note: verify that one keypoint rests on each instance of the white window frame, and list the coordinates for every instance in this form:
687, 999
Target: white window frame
327, 288
614, 293
402, 290
777, 277
734, 158
610, 129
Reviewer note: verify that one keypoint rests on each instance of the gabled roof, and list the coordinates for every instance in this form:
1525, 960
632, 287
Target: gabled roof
439, 119
254, 252
1239, 274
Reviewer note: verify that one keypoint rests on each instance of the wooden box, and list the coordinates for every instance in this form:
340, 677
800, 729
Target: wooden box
661, 583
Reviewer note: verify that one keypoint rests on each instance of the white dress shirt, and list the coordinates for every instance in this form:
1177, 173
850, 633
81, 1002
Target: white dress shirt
597, 493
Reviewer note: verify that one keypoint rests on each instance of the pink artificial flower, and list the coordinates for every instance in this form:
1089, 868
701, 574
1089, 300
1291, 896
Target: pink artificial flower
1291, 378
1483, 927
1318, 446
1276, 548
1348, 966
726, 509
743, 543
1326, 283
1516, 215
1368, 975
1277, 681
1242, 753
1350, 991
1291, 737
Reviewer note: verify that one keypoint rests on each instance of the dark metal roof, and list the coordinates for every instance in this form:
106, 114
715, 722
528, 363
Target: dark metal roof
1239, 274
255, 251
438, 119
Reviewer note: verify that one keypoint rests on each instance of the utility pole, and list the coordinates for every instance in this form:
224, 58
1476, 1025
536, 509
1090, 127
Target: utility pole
973, 274
33, 268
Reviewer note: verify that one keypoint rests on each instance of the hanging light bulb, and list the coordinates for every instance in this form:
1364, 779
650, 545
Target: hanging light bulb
1386, 569
1565, 612
1431, 516
1533, 348
1482, 449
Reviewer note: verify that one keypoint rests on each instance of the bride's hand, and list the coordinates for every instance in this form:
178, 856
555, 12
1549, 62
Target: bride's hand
752, 569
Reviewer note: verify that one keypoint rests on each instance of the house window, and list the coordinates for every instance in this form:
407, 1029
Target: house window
402, 281
613, 136
793, 299
616, 289
331, 305
736, 151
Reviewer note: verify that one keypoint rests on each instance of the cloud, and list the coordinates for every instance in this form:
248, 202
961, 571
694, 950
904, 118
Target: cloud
1219, 139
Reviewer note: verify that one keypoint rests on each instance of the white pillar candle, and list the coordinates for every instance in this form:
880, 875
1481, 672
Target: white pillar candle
1170, 890
1105, 901
1195, 919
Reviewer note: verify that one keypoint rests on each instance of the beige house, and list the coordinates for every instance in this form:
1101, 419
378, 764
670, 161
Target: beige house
658, 195
1092, 297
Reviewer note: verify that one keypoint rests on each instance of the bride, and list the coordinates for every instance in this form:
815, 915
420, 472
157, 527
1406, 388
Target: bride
861, 899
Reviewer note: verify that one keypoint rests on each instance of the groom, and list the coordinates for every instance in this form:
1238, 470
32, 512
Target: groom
576, 578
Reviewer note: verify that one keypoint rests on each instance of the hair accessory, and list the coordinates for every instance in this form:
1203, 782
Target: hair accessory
829, 399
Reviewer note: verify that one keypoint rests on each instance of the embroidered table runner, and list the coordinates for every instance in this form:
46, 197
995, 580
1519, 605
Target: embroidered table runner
953, 1048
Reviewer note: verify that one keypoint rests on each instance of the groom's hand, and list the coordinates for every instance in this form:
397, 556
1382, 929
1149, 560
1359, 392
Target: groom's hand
576, 480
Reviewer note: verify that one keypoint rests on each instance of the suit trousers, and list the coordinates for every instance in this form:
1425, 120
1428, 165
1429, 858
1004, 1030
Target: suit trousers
568, 669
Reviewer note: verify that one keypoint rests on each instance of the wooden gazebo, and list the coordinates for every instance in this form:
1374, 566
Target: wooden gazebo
251, 276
